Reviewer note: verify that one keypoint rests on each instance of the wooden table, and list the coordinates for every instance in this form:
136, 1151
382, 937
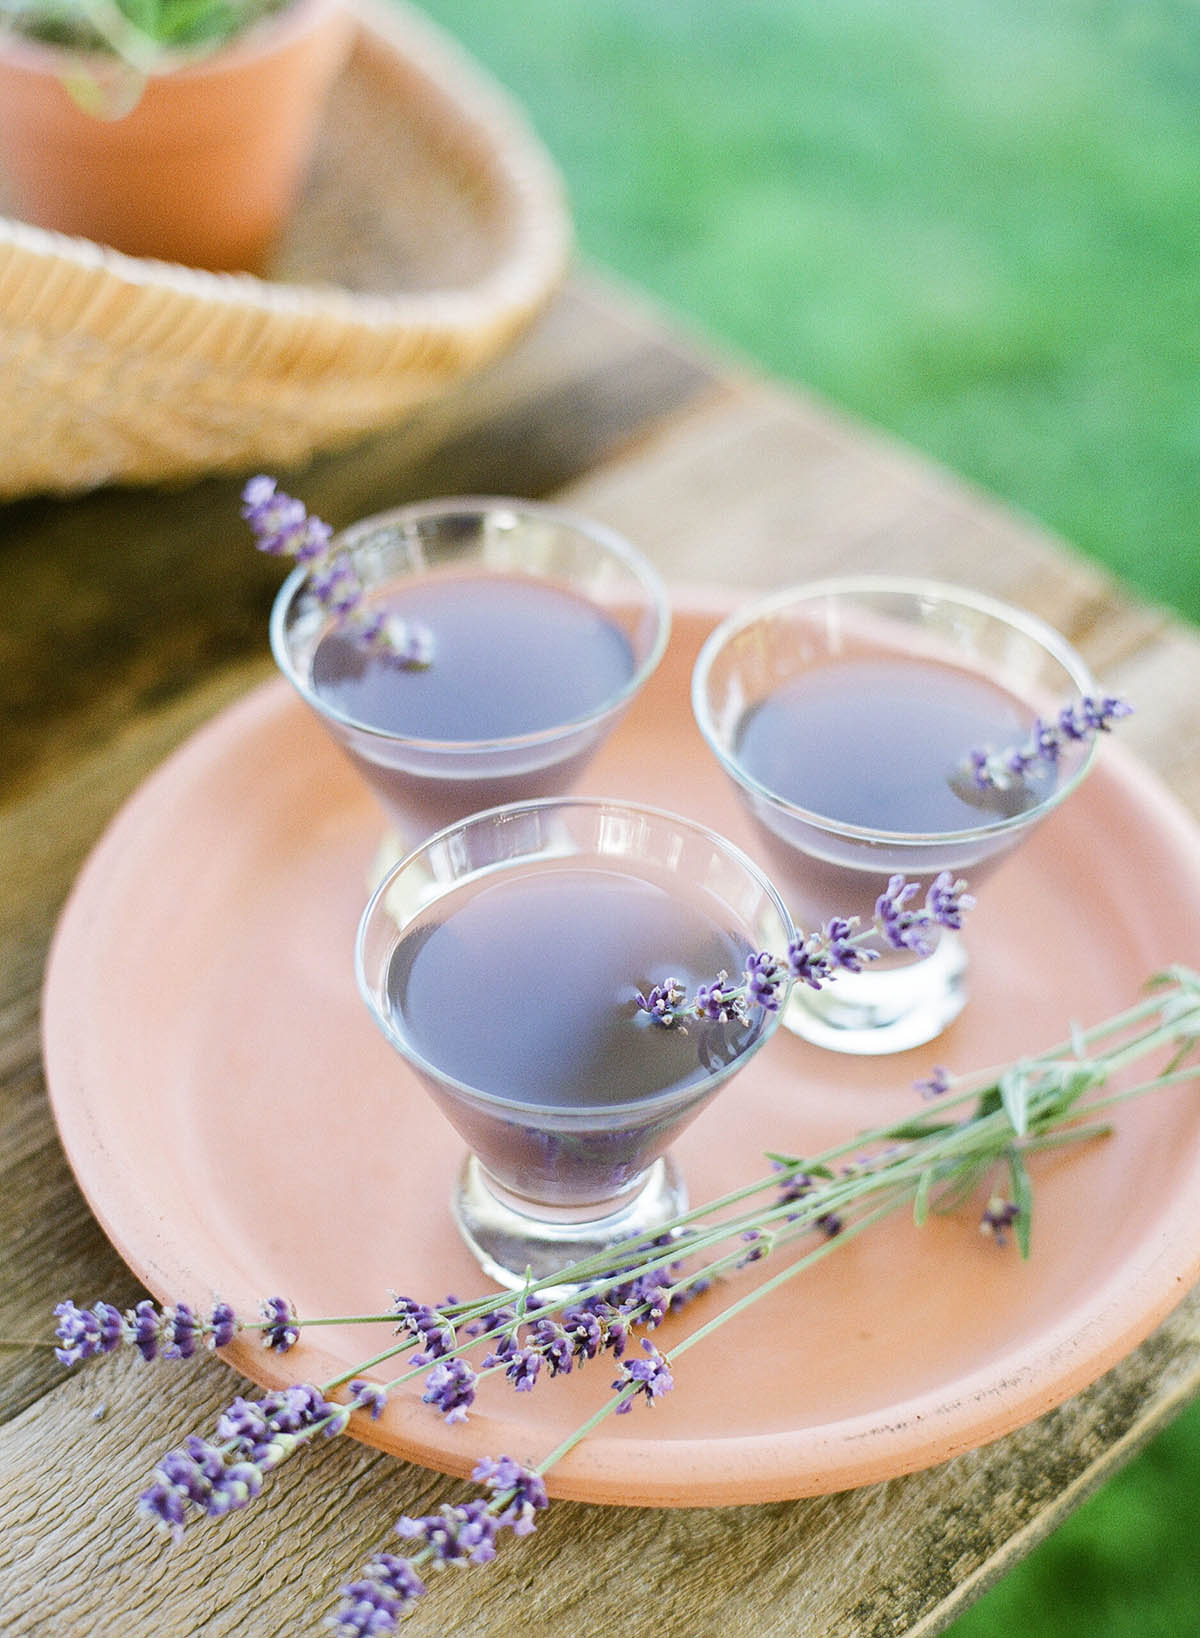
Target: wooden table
130, 617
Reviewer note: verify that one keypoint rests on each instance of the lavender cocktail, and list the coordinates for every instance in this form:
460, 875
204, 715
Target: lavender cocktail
542, 627
846, 713
504, 960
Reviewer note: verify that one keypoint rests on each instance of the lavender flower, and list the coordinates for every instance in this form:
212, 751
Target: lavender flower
793, 1188
255, 1435
451, 1387
816, 959
144, 1327
721, 1001
280, 1331
521, 1369
766, 983
554, 1345
946, 901
614, 1323
454, 1535
522, 1491
282, 527
1043, 748
652, 1376
760, 1245
223, 1326
908, 927
664, 1001
648, 1298
936, 1084
585, 1331
998, 1217
431, 1327
383, 1595
368, 1396
156, 1333
201, 1476
266, 1431
85, 1333
182, 1331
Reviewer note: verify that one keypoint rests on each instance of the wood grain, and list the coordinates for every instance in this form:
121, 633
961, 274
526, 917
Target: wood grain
129, 618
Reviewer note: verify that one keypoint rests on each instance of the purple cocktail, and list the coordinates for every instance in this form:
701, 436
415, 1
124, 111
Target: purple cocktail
544, 627
845, 713
504, 959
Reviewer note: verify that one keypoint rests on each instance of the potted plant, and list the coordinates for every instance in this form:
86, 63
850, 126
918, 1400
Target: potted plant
178, 129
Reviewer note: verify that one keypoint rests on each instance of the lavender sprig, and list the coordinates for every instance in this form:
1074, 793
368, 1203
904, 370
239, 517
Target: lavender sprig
389, 1586
816, 959
930, 1161
283, 527
1042, 749
157, 1333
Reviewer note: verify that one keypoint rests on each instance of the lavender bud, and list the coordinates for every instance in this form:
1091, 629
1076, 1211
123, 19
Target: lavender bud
389, 1586
524, 1489
998, 1217
765, 981
936, 1084
368, 1396
144, 1328
223, 1325
280, 1331
947, 900
451, 1387
652, 1376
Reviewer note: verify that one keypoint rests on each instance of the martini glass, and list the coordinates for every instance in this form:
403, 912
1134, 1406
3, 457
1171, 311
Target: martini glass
502, 960
545, 626
843, 712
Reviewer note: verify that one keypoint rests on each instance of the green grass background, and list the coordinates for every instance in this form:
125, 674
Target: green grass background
977, 224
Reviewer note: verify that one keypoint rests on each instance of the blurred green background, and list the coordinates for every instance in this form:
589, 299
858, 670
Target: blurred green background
974, 223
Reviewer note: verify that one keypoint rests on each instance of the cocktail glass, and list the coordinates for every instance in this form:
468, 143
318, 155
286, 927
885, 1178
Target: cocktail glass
863, 687
460, 549
502, 959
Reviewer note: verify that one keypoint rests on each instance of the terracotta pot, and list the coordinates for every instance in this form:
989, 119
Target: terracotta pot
206, 165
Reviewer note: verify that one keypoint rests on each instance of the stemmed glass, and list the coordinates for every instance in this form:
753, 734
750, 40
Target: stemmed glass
844, 712
502, 960
545, 626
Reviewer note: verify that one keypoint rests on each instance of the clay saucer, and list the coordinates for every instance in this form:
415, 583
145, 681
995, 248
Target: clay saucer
240, 1128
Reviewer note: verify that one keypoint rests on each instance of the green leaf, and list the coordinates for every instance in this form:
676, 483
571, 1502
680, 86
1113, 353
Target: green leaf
964, 1178
989, 1103
807, 1166
921, 1197
914, 1130
1014, 1095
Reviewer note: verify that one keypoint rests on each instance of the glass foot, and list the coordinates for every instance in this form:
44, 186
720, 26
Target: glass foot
872, 1013
509, 1243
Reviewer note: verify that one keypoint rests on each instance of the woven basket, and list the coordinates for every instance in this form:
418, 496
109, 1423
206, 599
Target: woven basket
431, 231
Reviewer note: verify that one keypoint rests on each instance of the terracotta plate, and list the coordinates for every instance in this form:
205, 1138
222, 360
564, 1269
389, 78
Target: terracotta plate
240, 1128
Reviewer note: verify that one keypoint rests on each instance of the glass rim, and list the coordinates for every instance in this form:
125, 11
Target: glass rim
1029, 625
600, 534
509, 810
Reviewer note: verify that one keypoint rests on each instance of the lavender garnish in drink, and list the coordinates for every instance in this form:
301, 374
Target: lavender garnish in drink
816, 959
1041, 751
283, 527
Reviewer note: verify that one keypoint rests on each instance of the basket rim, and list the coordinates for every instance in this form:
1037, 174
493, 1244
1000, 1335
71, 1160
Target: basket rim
480, 117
